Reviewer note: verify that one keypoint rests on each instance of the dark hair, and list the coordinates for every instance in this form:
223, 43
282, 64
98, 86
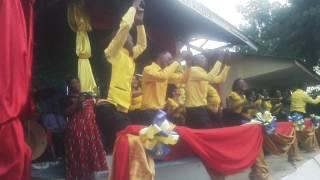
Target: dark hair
158, 54
170, 90
274, 92
155, 51
249, 92
70, 78
236, 84
197, 59
261, 91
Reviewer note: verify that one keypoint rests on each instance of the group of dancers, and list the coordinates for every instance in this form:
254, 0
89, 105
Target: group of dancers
186, 93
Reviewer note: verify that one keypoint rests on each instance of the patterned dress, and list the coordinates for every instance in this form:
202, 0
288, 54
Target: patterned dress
85, 154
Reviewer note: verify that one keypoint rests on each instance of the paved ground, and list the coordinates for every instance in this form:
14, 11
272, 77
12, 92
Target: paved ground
279, 167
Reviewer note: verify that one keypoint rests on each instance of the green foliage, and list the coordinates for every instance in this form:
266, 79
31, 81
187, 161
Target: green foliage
290, 30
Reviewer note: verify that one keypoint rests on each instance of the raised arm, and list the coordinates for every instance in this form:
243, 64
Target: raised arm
221, 78
308, 99
120, 38
164, 74
178, 78
196, 74
141, 36
216, 68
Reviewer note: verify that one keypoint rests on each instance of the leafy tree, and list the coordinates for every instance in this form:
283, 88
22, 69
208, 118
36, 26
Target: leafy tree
290, 30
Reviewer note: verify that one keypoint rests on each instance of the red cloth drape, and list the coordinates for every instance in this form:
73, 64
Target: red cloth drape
224, 151
16, 35
284, 128
15, 155
16, 56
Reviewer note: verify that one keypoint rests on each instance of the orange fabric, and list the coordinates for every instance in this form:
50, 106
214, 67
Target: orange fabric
282, 140
141, 164
307, 139
260, 170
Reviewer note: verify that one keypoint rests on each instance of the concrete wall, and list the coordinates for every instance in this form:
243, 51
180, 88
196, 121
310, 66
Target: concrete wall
250, 66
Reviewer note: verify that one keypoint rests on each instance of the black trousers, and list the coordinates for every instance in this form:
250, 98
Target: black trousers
135, 117
233, 119
198, 118
110, 122
216, 119
147, 117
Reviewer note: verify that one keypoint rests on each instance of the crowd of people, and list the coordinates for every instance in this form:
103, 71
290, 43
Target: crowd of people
189, 94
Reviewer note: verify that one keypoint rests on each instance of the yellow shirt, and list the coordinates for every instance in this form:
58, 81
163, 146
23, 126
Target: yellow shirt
266, 105
276, 108
123, 65
136, 103
213, 99
198, 81
299, 100
250, 113
236, 102
258, 102
175, 109
154, 85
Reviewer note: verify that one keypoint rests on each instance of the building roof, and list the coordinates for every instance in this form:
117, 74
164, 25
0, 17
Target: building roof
189, 19
295, 73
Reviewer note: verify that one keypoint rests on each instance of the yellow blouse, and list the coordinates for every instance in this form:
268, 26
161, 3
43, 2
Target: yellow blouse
213, 98
136, 103
175, 109
276, 108
300, 99
266, 105
236, 102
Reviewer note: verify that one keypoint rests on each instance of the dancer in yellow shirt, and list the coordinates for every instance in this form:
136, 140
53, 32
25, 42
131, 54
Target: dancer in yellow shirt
174, 107
213, 98
155, 78
136, 101
197, 84
266, 101
306, 138
237, 103
300, 99
111, 113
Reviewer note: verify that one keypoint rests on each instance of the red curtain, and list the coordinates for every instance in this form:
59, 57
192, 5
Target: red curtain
224, 151
15, 56
16, 35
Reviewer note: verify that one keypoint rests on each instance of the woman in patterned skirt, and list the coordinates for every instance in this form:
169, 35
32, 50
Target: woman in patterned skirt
85, 154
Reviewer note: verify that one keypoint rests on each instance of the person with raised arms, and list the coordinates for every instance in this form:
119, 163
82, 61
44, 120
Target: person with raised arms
121, 53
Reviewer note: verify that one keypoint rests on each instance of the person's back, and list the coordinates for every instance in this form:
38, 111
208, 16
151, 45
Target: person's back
197, 87
299, 100
213, 99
